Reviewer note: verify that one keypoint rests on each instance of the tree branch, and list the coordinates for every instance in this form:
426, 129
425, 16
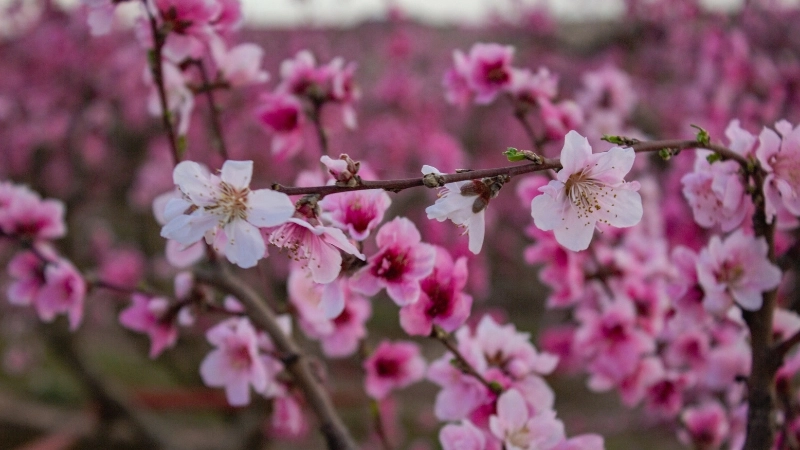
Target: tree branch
216, 126
332, 426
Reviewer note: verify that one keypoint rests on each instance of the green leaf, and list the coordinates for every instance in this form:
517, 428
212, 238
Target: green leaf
619, 140
514, 155
181, 144
714, 157
665, 154
702, 135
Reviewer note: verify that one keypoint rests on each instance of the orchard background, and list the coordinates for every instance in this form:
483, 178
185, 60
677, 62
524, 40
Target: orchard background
81, 123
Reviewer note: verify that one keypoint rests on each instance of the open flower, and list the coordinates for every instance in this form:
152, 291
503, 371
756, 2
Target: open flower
463, 202
589, 189
519, 430
780, 157
736, 270
393, 365
224, 210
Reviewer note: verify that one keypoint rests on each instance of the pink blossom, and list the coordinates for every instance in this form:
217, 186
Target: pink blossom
148, 315
301, 77
393, 365
716, 193
283, 114
506, 348
27, 271
349, 327
464, 436
561, 117
101, 16
235, 364
23, 214
401, 262
490, 70
456, 81
735, 270
240, 65
224, 210
442, 301
461, 394
189, 22
518, 430
357, 212
463, 202
589, 189
530, 87
608, 89
288, 420
316, 246
780, 157
64, 291
705, 426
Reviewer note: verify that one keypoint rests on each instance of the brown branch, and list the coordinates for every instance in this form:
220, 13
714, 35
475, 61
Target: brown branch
332, 426
157, 69
315, 114
444, 337
216, 126
398, 185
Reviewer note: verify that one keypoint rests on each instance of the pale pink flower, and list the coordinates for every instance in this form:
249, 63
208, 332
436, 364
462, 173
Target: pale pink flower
27, 271
283, 114
349, 328
716, 193
23, 214
463, 202
705, 426
357, 212
401, 262
561, 117
316, 246
511, 351
455, 82
235, 364
780, 157
530, 87
211, 204
588, 189
490, 70
740, 140
64, 291
147, 315
461, 394
189, 22
393, 365
464, 436
100, 16
301, 76
736, 270
240, 65
518, 430
288, 420
608, 89
442, 301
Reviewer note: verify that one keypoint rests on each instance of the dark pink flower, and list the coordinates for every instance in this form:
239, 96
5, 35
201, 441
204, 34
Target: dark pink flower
357, 212
401, 262
442, 301
283, 114
490, 70
393, 365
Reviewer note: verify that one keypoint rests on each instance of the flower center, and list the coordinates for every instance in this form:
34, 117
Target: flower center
240, 358
231, 203
387, 367
730, 273
519, 438
584, 193
392, 265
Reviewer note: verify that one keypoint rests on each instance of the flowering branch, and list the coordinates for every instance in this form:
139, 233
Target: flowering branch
332, 426
398, 185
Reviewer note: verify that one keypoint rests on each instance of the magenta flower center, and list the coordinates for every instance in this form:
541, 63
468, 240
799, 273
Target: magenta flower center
240, 358
496, 73
386, 367
358, 216
392, 264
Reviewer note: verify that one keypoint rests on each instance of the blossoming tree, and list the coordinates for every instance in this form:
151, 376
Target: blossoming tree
670, 261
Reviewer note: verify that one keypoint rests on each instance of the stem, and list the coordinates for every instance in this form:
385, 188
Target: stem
765, 360
315, 114
521, 116
216, 127
379, 428
442, 336
157, 69
331, 425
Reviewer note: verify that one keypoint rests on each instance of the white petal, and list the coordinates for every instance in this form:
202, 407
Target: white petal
268, 208
193, 180
245, 245
620, 208
237, 173
574, 154
548, 210
575, 233
189, 229
477, 228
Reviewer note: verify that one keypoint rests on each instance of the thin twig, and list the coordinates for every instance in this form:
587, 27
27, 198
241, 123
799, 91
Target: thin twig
315, 114
297, 364
157, 69
216, 125
444, 337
